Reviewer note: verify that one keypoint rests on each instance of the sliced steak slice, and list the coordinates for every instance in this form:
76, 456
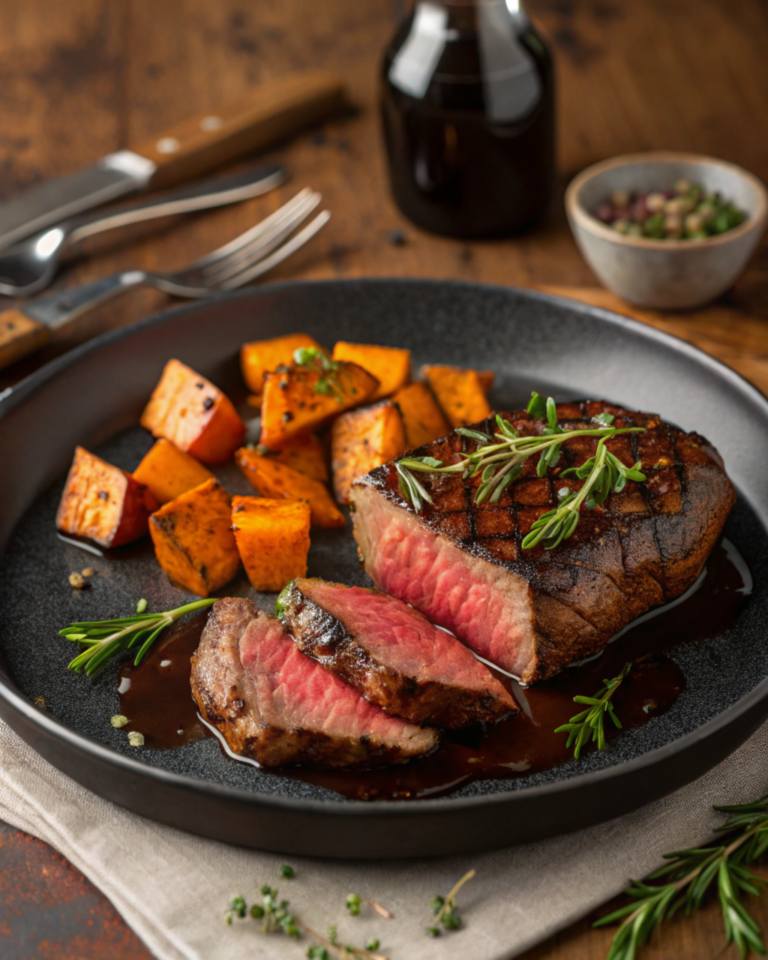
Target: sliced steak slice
392, 655
273, 704
532, 612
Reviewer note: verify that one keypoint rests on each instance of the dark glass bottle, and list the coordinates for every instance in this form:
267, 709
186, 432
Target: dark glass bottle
468, 113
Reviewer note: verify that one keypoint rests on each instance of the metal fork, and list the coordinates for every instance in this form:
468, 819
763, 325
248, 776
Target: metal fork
25, 329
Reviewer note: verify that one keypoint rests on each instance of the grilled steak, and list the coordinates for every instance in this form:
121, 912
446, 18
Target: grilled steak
392, 655
533, 612
272, 703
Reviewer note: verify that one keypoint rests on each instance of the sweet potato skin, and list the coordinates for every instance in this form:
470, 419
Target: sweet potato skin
390, 365
193, 540
262, 356
362, 440
193, 414
278, 482
272, 538
423, 419
103, 502
167, 472
459, 392
304, 453
293, 403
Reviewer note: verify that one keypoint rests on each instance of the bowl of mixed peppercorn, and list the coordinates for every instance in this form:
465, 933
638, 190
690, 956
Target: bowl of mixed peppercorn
667, 230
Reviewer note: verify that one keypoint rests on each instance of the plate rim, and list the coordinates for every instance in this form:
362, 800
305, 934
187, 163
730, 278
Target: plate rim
14, 699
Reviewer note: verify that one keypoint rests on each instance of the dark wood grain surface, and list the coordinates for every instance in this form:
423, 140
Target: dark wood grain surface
82, 78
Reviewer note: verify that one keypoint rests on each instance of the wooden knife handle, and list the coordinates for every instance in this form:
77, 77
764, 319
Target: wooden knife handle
19, 335
272, 112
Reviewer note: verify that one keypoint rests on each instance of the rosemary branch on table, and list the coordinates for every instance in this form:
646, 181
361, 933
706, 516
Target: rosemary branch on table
690, 875
104, 639
590, 723
499, 460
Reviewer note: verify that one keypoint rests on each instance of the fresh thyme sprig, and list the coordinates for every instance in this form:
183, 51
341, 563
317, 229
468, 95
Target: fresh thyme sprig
689, 875
446, 911
106, 638
590, 723
312, 358
499, 459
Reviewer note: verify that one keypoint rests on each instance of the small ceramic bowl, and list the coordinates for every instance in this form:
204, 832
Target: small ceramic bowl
665, 274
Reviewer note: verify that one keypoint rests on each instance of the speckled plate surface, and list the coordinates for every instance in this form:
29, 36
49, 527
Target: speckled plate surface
94, 395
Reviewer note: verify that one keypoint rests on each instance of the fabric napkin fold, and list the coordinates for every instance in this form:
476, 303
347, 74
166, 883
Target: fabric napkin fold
173, 888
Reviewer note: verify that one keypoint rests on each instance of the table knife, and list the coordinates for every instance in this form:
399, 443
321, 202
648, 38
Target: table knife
272, 112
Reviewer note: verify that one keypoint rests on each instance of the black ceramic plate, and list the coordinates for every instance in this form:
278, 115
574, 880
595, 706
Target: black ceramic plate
94, 395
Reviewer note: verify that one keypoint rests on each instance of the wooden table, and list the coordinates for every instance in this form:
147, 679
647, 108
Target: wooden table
82, 78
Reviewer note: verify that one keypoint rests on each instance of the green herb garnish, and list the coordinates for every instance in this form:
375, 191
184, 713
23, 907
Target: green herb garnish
590, 723
445, 909
500, 463
690, 875
312, 358
106, 638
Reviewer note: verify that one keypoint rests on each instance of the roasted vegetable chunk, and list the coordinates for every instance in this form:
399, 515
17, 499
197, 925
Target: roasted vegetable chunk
168, 472
304, 453
362, 440
273, 539
390, 365
262, 356
460, 393
193, 540
423, 419
300, 399
277, 481
103, 502
193, 414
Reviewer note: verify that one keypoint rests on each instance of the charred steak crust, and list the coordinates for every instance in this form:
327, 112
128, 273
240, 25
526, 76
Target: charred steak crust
645, 546
327, 639
254, 715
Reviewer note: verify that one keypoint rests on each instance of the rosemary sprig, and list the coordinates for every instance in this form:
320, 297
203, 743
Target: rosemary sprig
104, 639
689, 875
590, 723
499, 460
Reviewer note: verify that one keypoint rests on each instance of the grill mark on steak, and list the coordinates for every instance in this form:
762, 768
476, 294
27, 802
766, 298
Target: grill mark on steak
392, 655
644, 546
273, 704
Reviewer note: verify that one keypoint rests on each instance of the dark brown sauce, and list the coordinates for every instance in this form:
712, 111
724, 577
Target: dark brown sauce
159, 703
156, 697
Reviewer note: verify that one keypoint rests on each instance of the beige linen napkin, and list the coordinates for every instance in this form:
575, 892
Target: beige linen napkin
172, 888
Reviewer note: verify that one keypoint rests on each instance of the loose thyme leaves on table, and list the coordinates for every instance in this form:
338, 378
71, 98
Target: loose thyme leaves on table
276, 916
590, 723
445, 909
692, 874
499, 461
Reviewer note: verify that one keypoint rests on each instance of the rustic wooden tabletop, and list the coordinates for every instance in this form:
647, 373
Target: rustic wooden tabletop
83, 78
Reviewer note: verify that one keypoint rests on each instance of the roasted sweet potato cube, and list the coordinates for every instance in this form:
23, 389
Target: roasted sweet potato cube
390, 365
423, 419
262, 356
304, 453
168, 472
486, 378
193, 414
362, 440
193, 540
103, 502
273, 539
275, 480
300, 399
460, 394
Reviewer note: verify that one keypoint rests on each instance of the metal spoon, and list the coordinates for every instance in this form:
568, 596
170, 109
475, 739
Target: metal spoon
31, 265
